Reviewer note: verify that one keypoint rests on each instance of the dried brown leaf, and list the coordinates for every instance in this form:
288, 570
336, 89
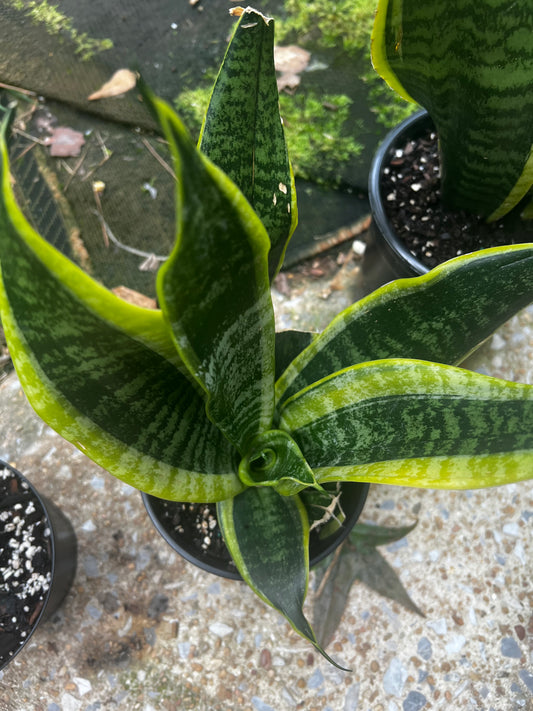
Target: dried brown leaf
122, 81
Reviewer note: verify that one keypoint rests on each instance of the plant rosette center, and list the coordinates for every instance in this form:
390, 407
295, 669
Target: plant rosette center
274, 459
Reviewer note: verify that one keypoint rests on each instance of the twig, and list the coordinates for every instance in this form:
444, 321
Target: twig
329, 240
107, 155
72, 171
328, 572
105, 150
158, 158
22, 133
23, 153
10, 87
125, 247
97, 189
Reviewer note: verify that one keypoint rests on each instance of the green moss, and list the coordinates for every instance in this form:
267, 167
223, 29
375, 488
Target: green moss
389, 108
191, 106
56, 23
318, 142
349, 21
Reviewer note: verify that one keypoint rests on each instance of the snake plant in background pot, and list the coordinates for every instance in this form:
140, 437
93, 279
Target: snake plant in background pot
184, 403
469, 64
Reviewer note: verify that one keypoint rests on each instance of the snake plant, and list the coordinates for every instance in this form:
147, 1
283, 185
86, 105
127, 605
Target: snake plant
470, 64
183, 402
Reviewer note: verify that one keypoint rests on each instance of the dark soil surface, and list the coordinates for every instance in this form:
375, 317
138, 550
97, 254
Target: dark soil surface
433, 234
25, 562
196, 522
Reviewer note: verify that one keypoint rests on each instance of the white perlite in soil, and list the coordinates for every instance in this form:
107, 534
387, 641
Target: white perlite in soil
25, 561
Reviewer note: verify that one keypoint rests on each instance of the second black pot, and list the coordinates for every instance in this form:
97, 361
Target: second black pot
21, 609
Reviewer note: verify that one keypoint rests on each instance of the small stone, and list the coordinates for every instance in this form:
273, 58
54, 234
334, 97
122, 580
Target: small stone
512, 529
93, 611
69, 703
527, 678
520, 632
509, 648
260, 705
220, 629
351, 700
414, 701
438, 626
456, 643
183, 649
91, 566
358, 248
395, 677
84, 685
497, 342
157, 606
265, 659
315, 680
424, 648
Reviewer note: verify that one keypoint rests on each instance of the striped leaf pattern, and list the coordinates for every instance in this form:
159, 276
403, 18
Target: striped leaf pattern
416, 424
215, 291
103, 373
257, 526
244, 112
470, 64
441, 316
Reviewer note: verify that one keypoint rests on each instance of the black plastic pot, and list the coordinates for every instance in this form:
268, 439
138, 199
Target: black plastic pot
60, 556
353, 499
387, 257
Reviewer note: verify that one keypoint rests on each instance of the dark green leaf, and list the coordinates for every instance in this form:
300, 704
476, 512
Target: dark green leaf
470, 64
441, 316
268, 538
214, 290
243, 135
104, 373
289, 344
414, 423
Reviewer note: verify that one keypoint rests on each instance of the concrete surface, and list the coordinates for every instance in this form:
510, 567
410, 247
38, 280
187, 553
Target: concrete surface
143, 629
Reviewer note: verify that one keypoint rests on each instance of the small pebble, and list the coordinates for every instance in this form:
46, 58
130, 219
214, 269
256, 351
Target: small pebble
527, 678
415, 701
359, 248
456, 643
509, 648
260, 705
439, 626
315, 680
424, 648
220, 629
351, 700
395, 677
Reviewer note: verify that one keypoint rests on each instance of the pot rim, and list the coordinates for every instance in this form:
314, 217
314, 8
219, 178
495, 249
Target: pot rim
360, 492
